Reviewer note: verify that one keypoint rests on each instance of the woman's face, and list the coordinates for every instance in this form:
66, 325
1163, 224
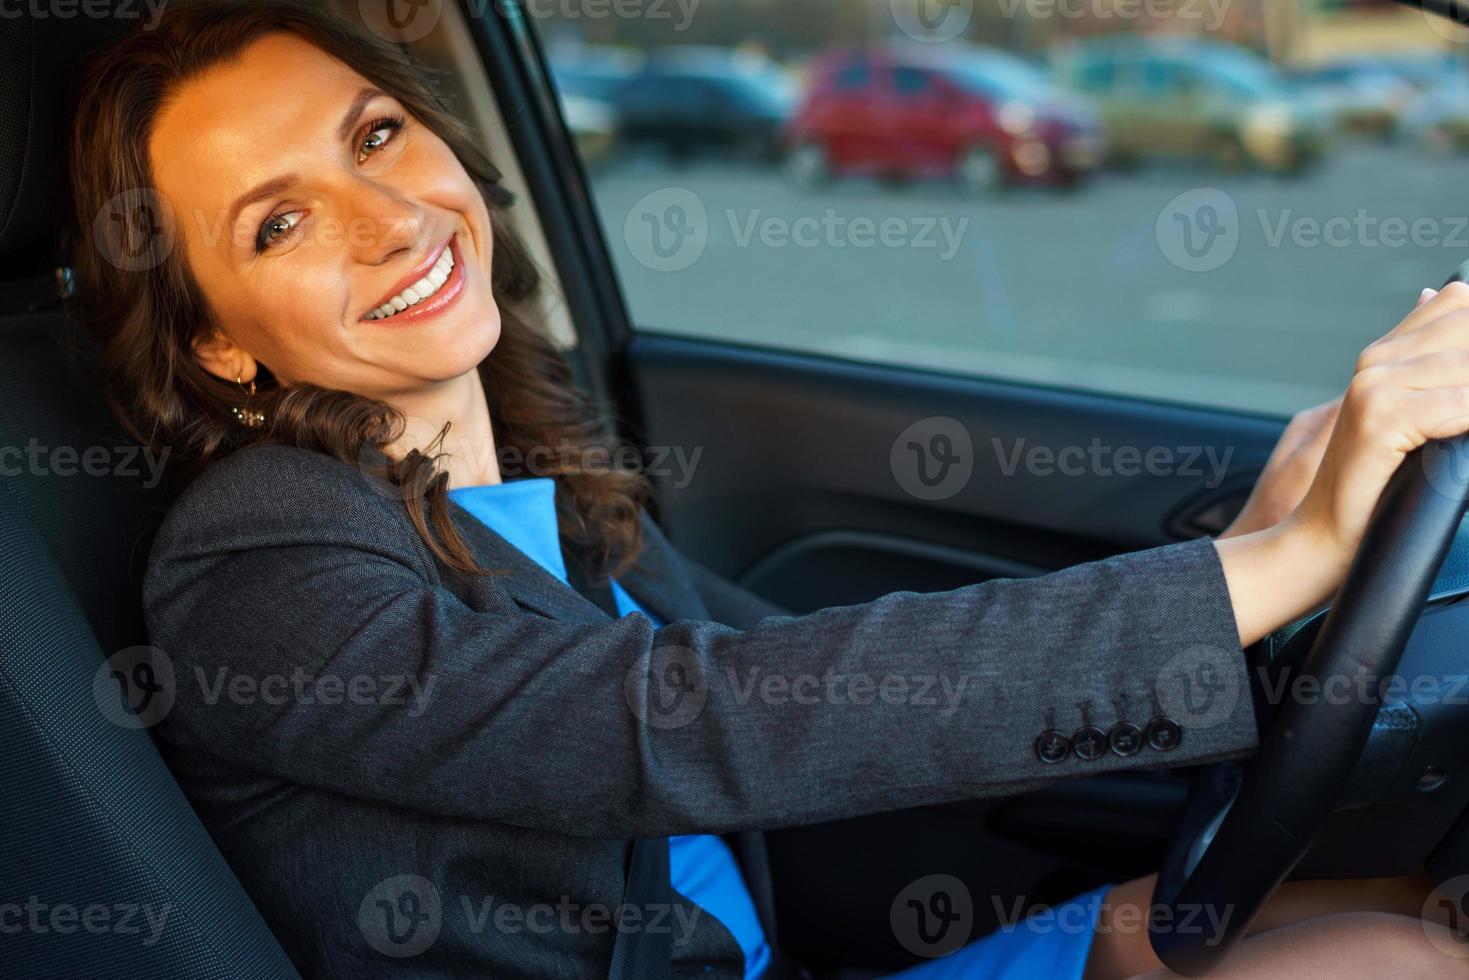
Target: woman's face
305, 211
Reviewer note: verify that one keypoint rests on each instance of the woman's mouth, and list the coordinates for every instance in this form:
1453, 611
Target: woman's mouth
430, 293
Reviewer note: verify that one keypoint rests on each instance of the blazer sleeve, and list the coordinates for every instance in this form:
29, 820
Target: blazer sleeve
311, 642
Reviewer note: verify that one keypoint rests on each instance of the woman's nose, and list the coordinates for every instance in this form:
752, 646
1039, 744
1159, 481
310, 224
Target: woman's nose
382, 223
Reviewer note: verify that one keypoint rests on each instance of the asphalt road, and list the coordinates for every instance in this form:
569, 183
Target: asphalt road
1244, 291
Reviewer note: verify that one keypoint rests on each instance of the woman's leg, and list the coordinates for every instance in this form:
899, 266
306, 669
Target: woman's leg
1347, 946
1121, 948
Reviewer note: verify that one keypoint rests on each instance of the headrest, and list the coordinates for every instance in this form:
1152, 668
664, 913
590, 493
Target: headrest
39, 55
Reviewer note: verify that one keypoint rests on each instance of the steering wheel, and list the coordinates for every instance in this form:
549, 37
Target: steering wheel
1222, 873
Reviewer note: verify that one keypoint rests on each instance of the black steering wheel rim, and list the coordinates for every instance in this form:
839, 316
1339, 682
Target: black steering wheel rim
1216, 879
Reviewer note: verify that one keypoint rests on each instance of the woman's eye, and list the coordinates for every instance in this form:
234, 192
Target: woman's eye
379, 134
276, 229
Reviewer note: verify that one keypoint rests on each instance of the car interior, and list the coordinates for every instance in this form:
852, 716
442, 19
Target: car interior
787, 501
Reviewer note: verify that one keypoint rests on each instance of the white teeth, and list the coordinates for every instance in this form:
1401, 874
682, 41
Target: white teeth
419, 291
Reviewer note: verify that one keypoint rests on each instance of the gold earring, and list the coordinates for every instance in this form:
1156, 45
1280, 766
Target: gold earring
247, 416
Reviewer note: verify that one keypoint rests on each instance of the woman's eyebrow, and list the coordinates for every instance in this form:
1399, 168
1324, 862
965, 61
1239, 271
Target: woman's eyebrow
278, 184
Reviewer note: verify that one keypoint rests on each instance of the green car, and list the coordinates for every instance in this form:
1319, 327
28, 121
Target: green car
1194, 99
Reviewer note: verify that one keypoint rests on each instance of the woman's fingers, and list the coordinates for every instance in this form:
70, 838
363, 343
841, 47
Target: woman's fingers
1444, 302
1432, 368
1450, 330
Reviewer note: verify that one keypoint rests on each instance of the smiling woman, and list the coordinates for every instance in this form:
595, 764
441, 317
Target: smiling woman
302, 269
356, 242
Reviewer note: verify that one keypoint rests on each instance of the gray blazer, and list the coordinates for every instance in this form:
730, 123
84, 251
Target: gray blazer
418, 774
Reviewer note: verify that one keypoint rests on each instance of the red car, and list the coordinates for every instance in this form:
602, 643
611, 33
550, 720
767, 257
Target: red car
978, 114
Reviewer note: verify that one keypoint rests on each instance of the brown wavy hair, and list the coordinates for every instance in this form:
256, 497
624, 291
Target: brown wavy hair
137, 296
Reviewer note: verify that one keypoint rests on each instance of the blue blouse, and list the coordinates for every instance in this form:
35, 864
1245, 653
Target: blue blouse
701, 866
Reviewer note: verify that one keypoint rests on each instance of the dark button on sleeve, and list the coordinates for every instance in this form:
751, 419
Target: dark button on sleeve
1052, 747
1164, 734
1089, 743
1125, 738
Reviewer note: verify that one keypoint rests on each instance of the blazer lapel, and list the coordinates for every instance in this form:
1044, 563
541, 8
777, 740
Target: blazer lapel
657, 580
523, 579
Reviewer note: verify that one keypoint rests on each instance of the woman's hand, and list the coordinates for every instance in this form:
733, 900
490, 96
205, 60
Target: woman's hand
1289, 471
1410, 386
1292, 464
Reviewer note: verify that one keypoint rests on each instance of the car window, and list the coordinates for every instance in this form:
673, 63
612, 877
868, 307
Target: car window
910, 81
1236, 256
1097, 75
1162, 79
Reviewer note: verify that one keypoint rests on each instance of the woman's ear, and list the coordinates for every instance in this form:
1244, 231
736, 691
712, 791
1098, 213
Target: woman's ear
222, 358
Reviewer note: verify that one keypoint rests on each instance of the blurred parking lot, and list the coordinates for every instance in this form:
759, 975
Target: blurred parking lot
1073, 289
1217, 212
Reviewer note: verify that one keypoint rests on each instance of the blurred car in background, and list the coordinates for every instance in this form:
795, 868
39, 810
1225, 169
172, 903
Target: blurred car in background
586, 81
1195, 99
1439, 118
979, 114
1359, 95
1425, 70
687, 101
